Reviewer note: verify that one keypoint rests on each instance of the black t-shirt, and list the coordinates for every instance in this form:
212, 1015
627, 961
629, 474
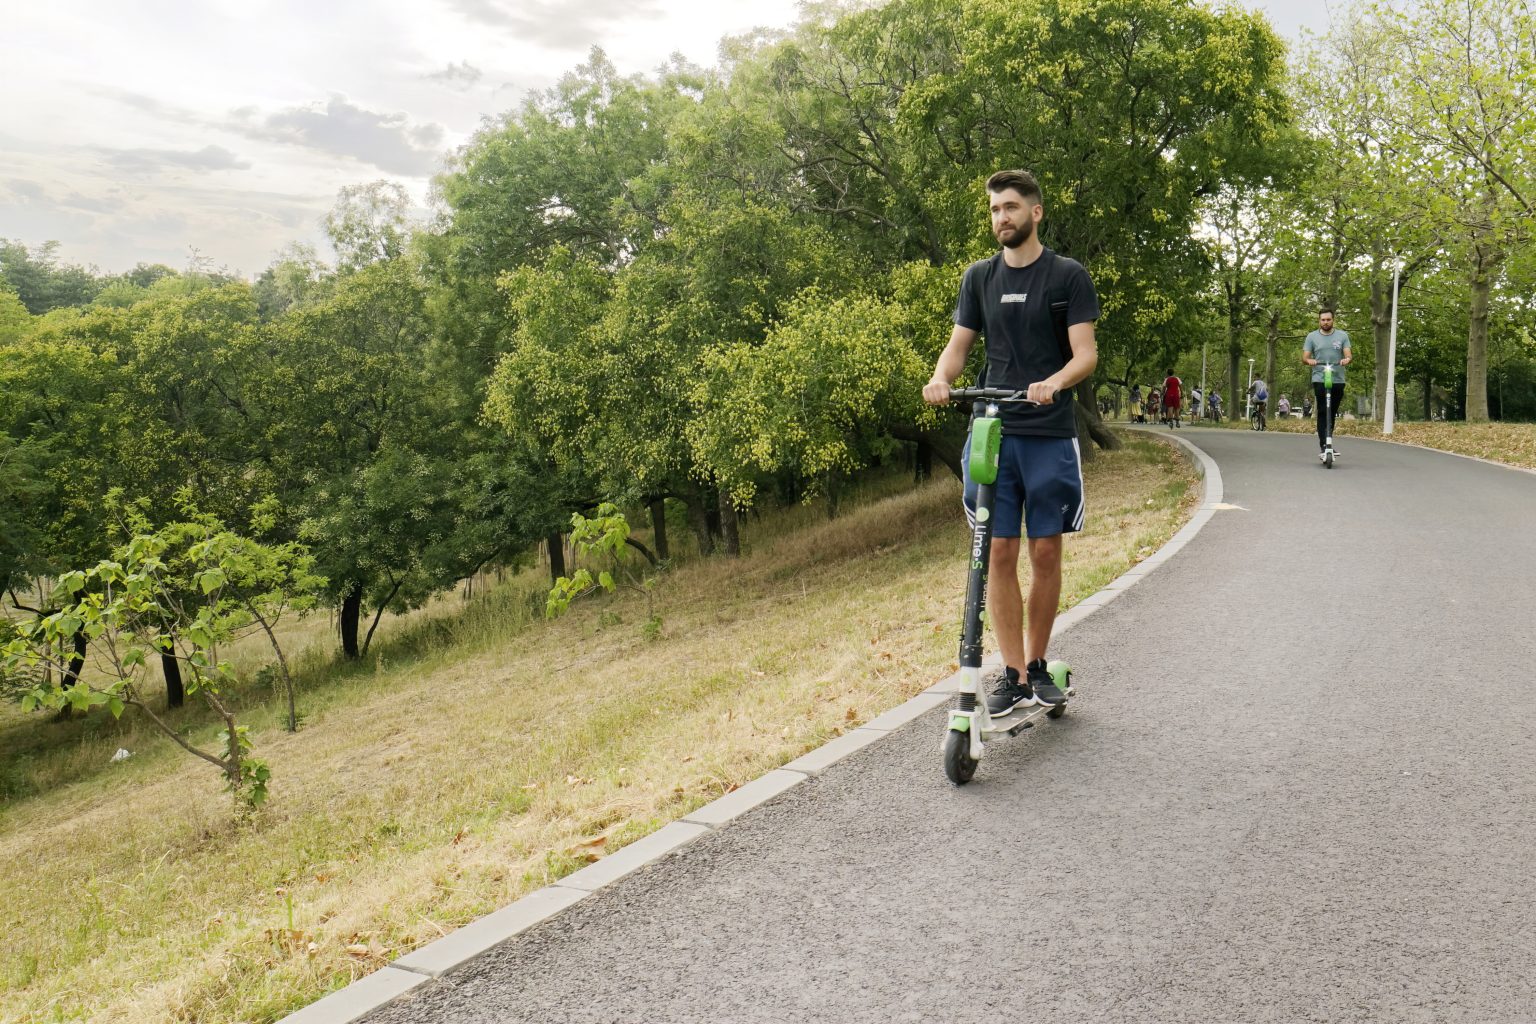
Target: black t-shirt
1018, 311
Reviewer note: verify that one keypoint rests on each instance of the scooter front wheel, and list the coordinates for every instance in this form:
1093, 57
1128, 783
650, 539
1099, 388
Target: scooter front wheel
959, 765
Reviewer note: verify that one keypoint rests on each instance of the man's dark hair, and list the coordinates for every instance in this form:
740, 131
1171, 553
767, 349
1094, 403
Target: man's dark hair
1325, 309
1020, 181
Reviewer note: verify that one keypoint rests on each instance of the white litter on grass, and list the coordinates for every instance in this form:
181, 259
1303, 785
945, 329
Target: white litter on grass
123, 754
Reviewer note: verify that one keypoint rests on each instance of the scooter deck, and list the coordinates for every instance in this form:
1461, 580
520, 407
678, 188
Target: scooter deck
1015, 723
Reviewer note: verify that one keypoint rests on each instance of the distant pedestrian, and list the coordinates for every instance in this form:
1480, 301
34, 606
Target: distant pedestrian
1173, 399
1195, 400
1138, 414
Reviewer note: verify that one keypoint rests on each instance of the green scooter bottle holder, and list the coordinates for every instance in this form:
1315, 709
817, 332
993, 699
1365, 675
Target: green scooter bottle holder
986, 446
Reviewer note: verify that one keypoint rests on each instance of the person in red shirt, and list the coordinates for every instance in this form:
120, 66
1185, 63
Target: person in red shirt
1173, 398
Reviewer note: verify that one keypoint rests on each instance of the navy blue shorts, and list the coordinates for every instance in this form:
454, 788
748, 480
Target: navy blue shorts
1039, 480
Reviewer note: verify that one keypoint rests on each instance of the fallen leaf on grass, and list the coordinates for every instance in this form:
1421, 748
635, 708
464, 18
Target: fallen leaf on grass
851, 714
599, 841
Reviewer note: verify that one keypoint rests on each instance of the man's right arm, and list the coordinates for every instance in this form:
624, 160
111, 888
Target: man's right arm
950, 365
1306, 352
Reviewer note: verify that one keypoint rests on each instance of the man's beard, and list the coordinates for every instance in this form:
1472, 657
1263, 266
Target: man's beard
1020, 235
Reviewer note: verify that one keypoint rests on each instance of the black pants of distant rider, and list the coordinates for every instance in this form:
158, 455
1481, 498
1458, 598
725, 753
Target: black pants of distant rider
1324, 426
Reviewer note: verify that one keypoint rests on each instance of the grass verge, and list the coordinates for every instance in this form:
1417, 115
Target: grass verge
428, 790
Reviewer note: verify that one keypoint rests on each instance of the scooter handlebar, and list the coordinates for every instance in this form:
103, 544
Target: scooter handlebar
994, 395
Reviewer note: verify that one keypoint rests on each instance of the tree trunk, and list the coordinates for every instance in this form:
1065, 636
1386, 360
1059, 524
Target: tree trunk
367, 640
1483, 262
1089, 422
640, 547
698, 521
72, 675
555, 543
1237, 388
943, 444
922, 461
1429, 410
659, 528
351, 611
730, 531
1271, 343
170, 667
76, 661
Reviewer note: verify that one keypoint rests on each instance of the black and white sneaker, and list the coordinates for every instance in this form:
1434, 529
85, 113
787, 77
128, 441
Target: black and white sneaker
1047, 693
1011, 692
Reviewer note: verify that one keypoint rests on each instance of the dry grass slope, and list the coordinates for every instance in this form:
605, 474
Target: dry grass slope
454, 775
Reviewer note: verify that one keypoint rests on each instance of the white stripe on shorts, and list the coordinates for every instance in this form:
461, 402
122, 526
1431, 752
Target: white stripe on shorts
1082, 498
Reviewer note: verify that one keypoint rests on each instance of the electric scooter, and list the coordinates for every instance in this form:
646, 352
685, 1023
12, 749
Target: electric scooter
1328, 411
970, 725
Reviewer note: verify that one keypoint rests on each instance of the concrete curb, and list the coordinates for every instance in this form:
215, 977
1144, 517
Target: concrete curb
438, 958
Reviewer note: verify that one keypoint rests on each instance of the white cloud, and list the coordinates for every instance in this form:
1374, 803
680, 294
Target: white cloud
387, 141
460, 76
149, 161
562, 24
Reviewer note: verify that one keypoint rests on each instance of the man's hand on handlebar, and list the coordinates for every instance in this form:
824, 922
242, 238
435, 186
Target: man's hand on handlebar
936, 392
1043, 393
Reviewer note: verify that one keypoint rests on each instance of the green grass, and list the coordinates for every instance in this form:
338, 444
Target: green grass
470, 759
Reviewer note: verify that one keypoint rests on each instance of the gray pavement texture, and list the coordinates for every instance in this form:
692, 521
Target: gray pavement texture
1296, 784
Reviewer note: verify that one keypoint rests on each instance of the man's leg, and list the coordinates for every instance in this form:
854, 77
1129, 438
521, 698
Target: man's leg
1320, 407
1044, 593
1005, 600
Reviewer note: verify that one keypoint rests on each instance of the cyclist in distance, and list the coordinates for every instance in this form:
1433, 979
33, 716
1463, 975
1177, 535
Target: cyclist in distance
1327, 344
1037, 310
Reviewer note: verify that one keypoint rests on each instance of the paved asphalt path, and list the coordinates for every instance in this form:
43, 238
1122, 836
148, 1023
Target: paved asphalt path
1298, 783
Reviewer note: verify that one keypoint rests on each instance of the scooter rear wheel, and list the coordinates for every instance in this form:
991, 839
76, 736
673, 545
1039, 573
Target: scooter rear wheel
959, 765
1057, 711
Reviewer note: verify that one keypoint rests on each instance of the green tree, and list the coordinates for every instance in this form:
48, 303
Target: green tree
1464, 79
186, 573
41, 281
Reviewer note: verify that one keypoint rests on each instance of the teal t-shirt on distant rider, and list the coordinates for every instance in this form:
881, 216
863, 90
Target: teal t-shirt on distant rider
1327, 348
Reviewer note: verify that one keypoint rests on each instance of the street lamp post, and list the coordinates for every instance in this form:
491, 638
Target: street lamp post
1391, 406
1248, 401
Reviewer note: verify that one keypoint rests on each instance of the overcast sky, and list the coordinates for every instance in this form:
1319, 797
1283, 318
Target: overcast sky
150, 129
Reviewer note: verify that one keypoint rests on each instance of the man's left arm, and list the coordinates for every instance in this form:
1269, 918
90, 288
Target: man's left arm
1085, 357
1348, 353
1082, 311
